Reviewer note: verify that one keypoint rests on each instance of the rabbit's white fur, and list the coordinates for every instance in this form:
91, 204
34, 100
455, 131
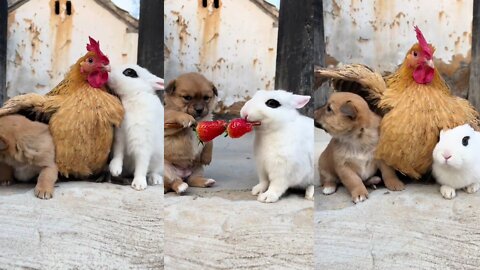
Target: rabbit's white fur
283, 144
455, 165
138, 146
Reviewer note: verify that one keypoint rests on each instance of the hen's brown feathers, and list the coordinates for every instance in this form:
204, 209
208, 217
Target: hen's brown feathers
74, 80
81, 120
356, 78
83, 130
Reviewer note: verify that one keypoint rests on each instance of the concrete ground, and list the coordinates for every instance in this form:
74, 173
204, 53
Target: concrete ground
85, 226
224, 227
412, 229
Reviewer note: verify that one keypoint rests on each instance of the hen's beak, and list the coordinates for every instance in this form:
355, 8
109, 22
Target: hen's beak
429, 63
107, 68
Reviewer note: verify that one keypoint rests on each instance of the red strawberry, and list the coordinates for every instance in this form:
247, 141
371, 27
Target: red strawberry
209, 130
239, 127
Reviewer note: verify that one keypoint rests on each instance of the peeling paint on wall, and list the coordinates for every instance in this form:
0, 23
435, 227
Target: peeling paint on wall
234, 46
379, 33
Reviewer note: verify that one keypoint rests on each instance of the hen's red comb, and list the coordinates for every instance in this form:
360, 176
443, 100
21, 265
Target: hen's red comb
94, 46
423, 43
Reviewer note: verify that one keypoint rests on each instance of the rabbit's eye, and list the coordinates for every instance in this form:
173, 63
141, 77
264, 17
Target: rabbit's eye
130, 73
329, 108
272, 103
465, 140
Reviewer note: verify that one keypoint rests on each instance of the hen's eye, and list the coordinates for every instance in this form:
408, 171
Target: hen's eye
130, 73
187, 98
272, 103
415, 54
90, 60
465, 140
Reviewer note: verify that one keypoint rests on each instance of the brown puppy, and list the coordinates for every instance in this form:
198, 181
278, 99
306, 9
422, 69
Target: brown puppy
349, 157
190, 98
27, 148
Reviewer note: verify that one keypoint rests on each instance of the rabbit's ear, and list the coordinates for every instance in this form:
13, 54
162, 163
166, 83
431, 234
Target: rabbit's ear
300, 101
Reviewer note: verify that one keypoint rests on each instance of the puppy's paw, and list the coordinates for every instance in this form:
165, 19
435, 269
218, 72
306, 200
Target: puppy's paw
447, 192
472, 188
394, 184
259, 188
116, 167
309, 192
155, 179
210, 182
268, 197
43, 193
359, 194
329, 189
180, 189
139, 183
186, 120
6, 182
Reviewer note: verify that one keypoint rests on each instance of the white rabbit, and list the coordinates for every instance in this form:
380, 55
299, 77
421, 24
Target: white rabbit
283, 144
138, 146
455, 160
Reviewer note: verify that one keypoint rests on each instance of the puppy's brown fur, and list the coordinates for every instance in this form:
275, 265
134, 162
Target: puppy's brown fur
190, 98
27, 150
349, 157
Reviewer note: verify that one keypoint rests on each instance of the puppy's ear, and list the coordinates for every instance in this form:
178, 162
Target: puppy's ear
349, 110
170, 87
214, 89
3, 143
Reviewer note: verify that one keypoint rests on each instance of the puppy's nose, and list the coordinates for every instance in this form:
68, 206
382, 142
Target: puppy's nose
318, 125
199, 111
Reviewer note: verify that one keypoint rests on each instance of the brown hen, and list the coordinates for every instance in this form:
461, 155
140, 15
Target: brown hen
81, 114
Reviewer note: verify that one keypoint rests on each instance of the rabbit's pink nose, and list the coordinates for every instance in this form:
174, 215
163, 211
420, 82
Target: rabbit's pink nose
447, 156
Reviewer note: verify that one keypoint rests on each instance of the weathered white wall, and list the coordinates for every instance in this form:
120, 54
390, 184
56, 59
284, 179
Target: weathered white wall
234, 46
380, 32
42, 45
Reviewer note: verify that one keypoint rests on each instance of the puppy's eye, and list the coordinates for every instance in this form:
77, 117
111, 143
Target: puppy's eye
90, 60
272, 103
130, 73
206, 98
187, 98
329, 109
465, 140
